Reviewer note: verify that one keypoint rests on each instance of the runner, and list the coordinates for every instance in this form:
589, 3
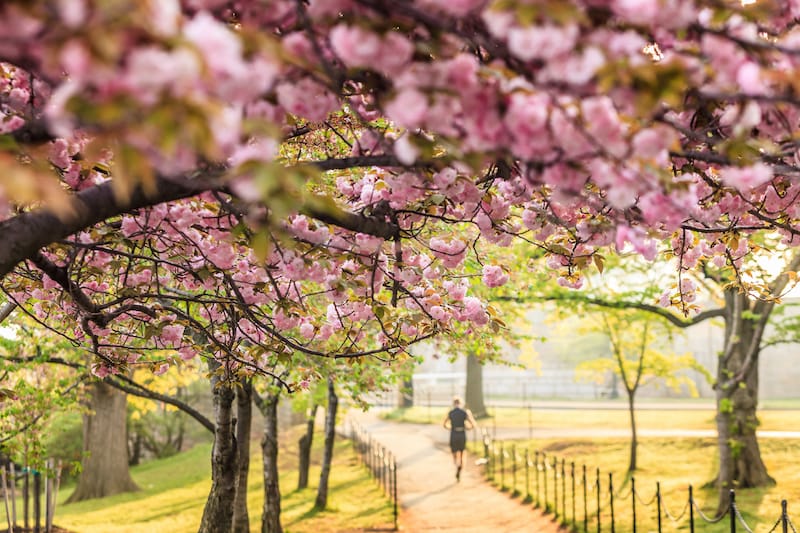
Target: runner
459, 420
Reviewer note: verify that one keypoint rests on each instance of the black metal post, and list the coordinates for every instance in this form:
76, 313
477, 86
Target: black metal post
691, 509
733, 511
585, 503
527, 476
633, 501
25, 495
572, 474
611, 500
555, 487
37, 504
394, 495
514, 470
536, 468
502, 467
784, 517
563, 492
658, 504
544, 476
597, 486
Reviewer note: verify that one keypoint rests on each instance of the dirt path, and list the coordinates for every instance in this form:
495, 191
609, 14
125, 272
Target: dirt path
430, 498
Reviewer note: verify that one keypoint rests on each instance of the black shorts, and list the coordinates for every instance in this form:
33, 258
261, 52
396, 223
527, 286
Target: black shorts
458, 441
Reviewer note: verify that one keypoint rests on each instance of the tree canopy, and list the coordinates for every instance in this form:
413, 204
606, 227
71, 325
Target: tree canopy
256, 179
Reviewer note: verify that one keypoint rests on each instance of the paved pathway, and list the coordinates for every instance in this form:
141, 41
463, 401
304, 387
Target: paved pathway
430, 498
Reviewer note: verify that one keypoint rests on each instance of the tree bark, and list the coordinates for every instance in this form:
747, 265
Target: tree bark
405, 395
740, 463
218, 512
327, 456
271, 516
304, 449
105, 444
634, 440
244, 419
473, 397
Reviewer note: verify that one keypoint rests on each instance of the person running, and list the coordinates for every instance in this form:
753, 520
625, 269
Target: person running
458, 420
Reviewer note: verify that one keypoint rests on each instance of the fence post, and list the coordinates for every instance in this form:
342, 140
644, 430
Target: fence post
536, 468
37, 504
597, 486
527, 476
585, 502
394, 492
733, 511
555, 487
572, 474
514, 491
691, 509
563, 492
502, 467
544, 476
658, 504
5, 497
26, 496
611, 499
13, 494
784, 517
633, 501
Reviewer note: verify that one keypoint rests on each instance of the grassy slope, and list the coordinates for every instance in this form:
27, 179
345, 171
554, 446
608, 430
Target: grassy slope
174, 492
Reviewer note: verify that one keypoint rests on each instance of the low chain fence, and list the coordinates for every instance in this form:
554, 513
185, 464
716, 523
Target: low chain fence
380, 462
25, 487
586, 501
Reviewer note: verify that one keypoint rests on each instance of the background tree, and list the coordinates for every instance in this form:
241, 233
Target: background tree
639, 356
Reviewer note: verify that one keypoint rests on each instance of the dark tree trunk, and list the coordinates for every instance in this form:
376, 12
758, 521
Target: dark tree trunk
327, 456
136, 450
105, 443
244, 419
473, 397
271, 516
740, 463
218, 512
634, 439
405, 396
304, 449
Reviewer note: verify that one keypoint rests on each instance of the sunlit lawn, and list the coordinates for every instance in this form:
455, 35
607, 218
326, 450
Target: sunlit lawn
174, 491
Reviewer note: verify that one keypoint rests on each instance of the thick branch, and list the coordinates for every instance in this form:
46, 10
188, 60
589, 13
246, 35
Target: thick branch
27, 232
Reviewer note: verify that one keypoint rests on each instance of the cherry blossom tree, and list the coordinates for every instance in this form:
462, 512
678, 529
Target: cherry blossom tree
250, 180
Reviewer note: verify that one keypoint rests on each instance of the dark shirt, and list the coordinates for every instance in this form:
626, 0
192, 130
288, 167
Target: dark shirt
457, 418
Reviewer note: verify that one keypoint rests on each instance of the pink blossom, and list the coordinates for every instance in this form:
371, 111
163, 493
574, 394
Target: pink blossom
161, 369
187, 353
542, 42
750, 79
306, 98
408, 108
405, 150
355, 46
746, 178
307, 330
494, 276
73, 12
172, 334
101, 370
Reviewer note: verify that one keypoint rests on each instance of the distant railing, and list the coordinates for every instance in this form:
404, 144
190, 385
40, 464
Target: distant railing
380, 462
585, 505
33, 485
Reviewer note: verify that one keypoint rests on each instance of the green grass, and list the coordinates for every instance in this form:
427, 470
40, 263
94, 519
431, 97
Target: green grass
174, 491
772, 420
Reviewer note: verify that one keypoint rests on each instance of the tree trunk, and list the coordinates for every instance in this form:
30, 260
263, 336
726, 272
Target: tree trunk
740, 463
473, 397
271, 516
405, 396
218, 512
304, 449
244, 418
105, 445
327, 457
634, 439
